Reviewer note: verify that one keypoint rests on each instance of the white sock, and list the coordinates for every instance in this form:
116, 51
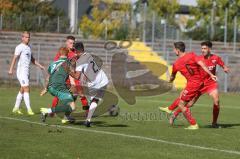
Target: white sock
92, 108
18, 100
49, 110
27, 100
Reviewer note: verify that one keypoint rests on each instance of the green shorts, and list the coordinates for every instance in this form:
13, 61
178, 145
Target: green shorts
63, 95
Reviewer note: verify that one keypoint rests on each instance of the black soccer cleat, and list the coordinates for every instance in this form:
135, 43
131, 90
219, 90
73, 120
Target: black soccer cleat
43, 117
216, 126
87, 123
71, 119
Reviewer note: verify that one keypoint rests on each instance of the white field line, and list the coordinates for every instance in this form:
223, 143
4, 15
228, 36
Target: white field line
128, 136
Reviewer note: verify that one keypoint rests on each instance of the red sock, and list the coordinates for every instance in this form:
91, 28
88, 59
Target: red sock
54, 102
174, 105
84, 101
189, 116
216, 109
177, 112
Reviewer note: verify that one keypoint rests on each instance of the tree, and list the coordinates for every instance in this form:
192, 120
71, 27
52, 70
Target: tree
104, 18
5, 6
164, 8
211, 14
24, 15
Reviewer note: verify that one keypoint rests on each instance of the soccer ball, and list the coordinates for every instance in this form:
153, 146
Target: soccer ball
113, 110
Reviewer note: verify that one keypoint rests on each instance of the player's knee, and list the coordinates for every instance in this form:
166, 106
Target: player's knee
25, 89
216, 102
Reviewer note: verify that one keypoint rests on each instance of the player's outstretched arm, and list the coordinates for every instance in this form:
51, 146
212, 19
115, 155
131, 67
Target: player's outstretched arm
172, 77
14, 59
44, 91
37, 63
206, 70
174, 73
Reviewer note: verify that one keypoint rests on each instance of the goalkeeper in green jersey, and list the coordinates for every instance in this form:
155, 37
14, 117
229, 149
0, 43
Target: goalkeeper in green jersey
58, 73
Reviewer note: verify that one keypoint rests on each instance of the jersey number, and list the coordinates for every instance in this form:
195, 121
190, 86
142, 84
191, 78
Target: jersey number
189, 69
94, 67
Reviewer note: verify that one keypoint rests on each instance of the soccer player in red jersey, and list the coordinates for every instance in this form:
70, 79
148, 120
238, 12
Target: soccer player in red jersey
210, 86
189, 64
70, 40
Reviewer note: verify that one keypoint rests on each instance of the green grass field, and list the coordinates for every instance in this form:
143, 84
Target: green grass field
120, 137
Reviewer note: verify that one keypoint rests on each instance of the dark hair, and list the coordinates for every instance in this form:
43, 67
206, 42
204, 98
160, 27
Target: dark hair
70, 37
79, 46
180, 46
207, 43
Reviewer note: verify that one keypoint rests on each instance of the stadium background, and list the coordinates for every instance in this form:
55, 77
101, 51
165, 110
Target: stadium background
151, 37
140, 130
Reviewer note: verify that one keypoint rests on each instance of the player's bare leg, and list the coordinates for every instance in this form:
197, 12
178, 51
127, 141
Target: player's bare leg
216, 107
187, 114
178, 111
173, 106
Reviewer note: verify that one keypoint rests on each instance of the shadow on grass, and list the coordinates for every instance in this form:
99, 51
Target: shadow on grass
100, 124
222, 126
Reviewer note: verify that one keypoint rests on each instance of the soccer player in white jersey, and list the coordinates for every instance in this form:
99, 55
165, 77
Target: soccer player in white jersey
93, 79
24, 56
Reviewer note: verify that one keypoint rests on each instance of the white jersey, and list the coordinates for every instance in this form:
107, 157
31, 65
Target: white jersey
92, 75
25, 54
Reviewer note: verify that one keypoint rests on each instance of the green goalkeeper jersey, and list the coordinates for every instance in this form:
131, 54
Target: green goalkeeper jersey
58, 73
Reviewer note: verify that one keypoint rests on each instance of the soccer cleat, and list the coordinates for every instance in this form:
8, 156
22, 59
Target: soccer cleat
30, 112
216, 126
165, 109
192, 127
44, 113
172, 119
43, 117
44, 110
68, 119
87, 123
65, 121
17, 111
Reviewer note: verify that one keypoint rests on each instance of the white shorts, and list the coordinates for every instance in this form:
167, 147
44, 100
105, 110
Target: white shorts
23, 79
95, 93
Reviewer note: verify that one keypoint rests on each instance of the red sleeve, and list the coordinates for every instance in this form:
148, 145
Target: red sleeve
56, 57
220, 61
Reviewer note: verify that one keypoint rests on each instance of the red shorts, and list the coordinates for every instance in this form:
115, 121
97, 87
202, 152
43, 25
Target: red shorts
209, 87
77, 82
191, 91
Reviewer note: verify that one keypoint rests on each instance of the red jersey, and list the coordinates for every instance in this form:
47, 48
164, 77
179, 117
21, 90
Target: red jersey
187, 65
211, 62
71, 54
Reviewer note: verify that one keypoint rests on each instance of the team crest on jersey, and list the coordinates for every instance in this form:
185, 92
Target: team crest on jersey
214, 61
